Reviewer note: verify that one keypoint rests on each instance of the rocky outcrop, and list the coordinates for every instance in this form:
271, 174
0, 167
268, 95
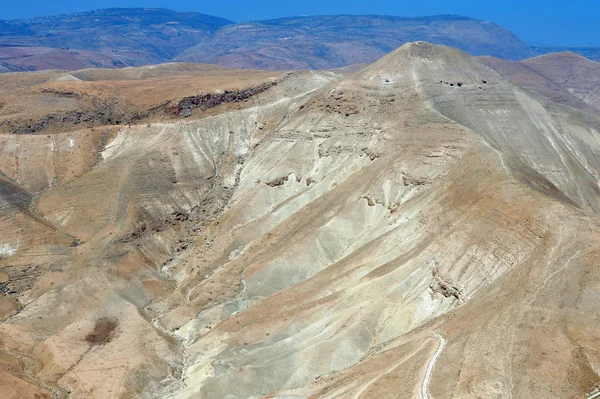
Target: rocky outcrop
286, 249
203, 102
113, 113
444, 286
101, 114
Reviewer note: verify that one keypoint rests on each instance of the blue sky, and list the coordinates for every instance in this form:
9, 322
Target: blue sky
573, 23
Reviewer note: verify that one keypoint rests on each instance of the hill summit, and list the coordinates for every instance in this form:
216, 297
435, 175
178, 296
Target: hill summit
422, 228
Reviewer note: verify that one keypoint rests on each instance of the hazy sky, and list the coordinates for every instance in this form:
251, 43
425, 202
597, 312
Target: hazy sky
561, 22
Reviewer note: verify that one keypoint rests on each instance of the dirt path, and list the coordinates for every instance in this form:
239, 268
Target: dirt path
427, 378
595, 396
30, 365
380, 375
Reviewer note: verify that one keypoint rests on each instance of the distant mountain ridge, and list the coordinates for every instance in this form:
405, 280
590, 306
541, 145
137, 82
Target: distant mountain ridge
324, 42
119, 37
128, 36
592, 53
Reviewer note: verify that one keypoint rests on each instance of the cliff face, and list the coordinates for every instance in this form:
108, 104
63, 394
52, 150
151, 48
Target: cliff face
422, 228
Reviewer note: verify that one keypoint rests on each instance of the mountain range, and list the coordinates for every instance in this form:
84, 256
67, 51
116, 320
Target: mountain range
421, 227
131, 37
316, 214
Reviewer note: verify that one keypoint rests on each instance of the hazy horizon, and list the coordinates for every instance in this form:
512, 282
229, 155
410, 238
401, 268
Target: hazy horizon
552, 23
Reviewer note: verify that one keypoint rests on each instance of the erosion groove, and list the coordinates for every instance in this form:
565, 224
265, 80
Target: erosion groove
378, 234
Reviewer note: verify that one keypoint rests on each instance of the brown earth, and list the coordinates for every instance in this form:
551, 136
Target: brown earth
57, 101
381, 233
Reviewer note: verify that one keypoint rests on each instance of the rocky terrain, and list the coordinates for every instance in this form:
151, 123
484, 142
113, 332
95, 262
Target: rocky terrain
56, 101
421, 228
136, 36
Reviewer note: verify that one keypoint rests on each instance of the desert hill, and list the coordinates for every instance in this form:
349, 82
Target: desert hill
51, 101
591, 53
566, 78
576, 74
422, 228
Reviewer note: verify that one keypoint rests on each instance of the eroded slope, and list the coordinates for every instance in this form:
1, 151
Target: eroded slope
380, 213
424, 228
87, 236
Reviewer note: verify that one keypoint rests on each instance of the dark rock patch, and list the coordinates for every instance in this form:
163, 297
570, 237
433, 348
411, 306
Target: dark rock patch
104, 331
280, 181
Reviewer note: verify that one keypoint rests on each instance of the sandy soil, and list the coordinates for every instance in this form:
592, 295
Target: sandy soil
423, 227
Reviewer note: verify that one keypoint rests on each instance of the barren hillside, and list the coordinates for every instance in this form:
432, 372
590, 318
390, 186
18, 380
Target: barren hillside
567, 78
57, 101
424, 228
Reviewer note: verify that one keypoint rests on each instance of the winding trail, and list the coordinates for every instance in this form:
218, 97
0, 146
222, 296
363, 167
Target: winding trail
28, 369
382, 374
427, 378
597, 395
